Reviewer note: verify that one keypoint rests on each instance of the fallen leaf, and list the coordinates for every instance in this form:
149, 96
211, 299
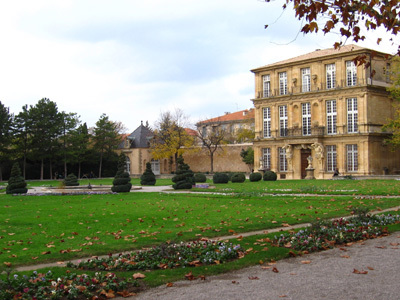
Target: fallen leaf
126, 294
380, 247
359, 272
253, 278
7, 264
189, 276
370, 268
275, 270
265, 268
345, 256
46, 252
292, 254
306, 262
138, 276
170, 284
202, 277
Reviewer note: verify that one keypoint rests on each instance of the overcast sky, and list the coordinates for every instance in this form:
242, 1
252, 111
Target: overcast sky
134, 59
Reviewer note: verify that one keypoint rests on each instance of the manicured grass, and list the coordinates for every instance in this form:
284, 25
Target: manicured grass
327, 187
52, 228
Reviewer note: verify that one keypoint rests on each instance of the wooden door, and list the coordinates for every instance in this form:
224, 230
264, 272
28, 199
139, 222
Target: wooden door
304, 162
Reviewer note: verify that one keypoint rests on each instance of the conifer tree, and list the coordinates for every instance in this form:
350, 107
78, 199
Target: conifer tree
16, 183
71, 180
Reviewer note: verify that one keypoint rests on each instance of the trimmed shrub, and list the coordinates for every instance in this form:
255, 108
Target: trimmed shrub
71, 180
220, 178
148, 177
270, 176
122, 180
184, 178
16, 183
238, 177
200, 177
255, 176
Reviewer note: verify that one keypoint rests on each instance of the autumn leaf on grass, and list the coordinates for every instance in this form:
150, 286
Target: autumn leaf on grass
292, 254
46, 252
202, 277
138, 276
189, 276
359, 272
7, 264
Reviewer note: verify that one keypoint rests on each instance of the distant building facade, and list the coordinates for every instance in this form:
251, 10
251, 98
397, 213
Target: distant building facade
321, 108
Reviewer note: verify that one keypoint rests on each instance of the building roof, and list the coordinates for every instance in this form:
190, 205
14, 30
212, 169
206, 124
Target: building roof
318, 53
139, 138
246, 114
191, 132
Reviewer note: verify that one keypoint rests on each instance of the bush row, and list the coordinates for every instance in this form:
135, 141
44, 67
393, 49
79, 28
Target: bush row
240, 177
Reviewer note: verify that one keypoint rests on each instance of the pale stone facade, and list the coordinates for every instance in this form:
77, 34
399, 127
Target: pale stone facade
324, 107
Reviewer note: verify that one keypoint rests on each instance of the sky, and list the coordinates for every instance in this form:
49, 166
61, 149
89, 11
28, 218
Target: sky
133, 60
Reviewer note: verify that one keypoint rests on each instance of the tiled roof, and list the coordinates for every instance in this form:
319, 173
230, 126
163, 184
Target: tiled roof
191, 132
139, 138
317, 53
230, 117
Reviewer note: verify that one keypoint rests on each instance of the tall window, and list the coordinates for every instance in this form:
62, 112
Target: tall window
283, 120
330, 76
282, 160
351, 71
331, 116
266, 158
267, 122
352, 115
352, 158
331, 155
306, 117
266, 86
283, 83
305, 80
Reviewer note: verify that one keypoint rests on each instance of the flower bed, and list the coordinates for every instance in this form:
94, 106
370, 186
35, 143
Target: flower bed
325, 234
72, 286
166, 256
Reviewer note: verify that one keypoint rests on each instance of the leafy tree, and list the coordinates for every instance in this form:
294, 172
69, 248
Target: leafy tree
170, 136
122, 181
106, 137
6, 121
184, 178
46, 127
22, 136
78, 144
211, 141
347, 17
148, 177
69, 123
248, 157
16, 183
394, 124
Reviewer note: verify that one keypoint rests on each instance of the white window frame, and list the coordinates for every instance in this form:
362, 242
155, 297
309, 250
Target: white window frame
330, 76
352, 115
283, 90
267, 122
331, 158
305, 80
266, 86
266, 152
352, 158
306, 118
283, 165
331, 117
283, 120
351, 73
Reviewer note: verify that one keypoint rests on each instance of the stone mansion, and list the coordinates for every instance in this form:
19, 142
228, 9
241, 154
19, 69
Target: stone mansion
323, 106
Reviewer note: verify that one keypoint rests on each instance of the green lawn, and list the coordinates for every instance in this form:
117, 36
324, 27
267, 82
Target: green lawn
52, 228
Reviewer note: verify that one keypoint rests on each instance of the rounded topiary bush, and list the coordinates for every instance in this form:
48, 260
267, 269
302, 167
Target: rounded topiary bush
71, 180
200, 177
270, 176
238, 177
220, 178
184, 178
16, 183
148, 177
122, 180
255, 176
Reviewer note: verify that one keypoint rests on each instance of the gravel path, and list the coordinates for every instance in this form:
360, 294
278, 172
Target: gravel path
323, 275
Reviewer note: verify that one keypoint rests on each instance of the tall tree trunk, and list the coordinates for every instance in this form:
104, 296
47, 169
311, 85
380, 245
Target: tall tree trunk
212, 162
101, 162
41, 169
24, 167
79, 170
